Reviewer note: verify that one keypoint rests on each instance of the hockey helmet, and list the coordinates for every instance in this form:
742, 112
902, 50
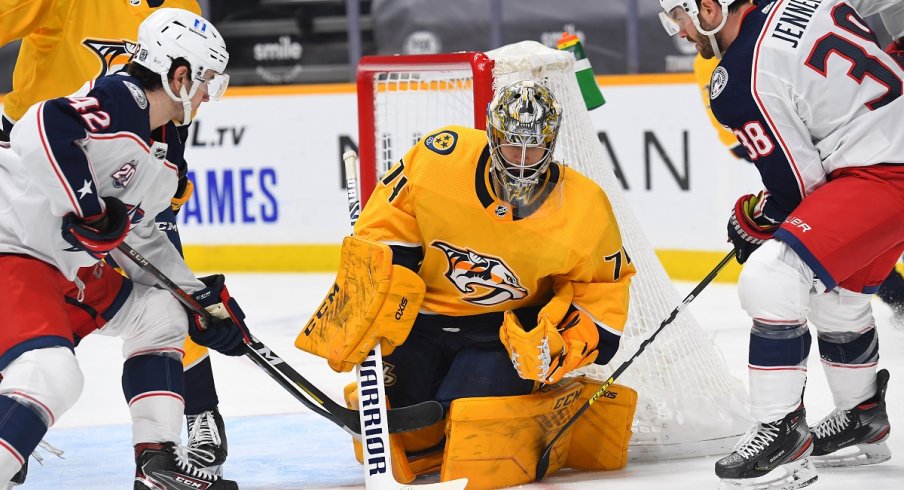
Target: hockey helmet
170, 33
523, 123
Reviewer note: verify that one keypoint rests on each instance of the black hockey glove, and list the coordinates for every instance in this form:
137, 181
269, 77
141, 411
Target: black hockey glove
101, 235
748, 228
227, 331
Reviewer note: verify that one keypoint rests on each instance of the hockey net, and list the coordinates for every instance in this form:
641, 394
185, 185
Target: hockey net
688, 403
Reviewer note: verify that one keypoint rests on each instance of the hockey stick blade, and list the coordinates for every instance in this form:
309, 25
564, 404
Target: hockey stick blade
403, 419
543, 463
399, 420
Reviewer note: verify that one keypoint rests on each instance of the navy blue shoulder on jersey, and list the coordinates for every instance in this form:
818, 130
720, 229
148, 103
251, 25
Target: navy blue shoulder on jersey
736, 107
111, 106
122, 96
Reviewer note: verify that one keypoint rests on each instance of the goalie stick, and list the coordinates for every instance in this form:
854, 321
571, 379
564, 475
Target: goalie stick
399, 420
543, 463
371, 390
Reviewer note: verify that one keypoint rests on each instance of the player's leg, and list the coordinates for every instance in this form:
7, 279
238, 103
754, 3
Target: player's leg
205, 425
41, 378
153, 327
774, 288
892, 293
855, 432
849, 233
206, 429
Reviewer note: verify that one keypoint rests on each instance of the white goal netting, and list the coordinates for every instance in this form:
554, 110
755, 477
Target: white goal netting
688, 403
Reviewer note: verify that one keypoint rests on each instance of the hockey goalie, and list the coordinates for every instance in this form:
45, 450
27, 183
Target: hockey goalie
487, 271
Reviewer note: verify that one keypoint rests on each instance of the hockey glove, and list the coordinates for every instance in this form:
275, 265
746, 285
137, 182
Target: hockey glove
563, 340
183, 194
748, 228
227, 332
98, 236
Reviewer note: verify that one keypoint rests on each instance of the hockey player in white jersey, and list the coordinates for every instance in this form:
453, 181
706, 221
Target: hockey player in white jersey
82, 176
816, 102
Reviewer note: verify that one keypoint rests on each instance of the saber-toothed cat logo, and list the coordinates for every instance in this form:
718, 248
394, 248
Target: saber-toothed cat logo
474, 273
113, 55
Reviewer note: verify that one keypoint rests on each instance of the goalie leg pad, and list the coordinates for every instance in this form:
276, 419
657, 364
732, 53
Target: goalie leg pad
599, 438
413, 453
371, 301
497, 441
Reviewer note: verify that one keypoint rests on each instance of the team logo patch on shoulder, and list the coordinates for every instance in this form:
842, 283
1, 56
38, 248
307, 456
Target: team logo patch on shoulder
123, 176
442, 142
137, 94
486, 280
718, 82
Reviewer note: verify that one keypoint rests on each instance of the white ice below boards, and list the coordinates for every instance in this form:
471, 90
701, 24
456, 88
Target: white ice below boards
276, 444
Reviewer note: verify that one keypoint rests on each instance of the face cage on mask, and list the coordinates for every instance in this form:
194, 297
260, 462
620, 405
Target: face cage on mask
518, 183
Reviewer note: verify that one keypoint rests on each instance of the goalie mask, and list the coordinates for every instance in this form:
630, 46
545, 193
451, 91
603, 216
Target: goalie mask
168, 34
678, 14
522, 126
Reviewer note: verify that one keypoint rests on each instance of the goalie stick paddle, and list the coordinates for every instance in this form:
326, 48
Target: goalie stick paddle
372, 391
543, 463
399, 420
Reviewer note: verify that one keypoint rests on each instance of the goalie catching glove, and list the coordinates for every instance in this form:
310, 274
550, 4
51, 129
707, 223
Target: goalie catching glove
372, 300
748, 227
563, 340
226, 333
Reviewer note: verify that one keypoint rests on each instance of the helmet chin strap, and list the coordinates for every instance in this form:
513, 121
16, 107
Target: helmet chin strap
711, 34
184, 98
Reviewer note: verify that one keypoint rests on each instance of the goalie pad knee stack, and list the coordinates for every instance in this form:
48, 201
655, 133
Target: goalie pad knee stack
371, 301
496, 442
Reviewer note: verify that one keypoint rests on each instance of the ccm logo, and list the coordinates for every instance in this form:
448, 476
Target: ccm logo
401, 310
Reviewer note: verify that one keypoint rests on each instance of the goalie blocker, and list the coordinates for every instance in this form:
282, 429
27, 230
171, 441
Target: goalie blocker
371, 301
496, 441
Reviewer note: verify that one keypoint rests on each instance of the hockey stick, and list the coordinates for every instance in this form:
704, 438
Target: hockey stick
399, 420
371, 390
543, 463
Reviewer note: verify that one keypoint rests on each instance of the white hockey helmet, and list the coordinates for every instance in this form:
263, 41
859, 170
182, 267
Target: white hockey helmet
170, 33
522, 116
677, 12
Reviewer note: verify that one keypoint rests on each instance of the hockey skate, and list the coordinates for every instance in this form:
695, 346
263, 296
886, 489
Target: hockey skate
207, 441
772, 456
165, 466
857, 436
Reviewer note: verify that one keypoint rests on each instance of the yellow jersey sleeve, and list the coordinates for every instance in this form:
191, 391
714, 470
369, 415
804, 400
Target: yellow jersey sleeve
19, 18
602, 274
66, 43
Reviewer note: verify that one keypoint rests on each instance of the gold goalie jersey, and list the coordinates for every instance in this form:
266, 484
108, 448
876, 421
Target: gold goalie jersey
477, 256
68, 42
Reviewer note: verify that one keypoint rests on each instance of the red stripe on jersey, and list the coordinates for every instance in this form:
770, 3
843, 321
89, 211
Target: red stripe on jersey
54, 164
755, 71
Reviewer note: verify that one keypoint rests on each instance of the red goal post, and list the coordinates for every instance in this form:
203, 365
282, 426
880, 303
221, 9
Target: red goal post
380, 75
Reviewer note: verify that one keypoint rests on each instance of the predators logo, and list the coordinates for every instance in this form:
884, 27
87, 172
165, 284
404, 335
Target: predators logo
473, 273
113, 55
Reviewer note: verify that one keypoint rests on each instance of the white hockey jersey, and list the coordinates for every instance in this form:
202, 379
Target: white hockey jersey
68, 152
807, 89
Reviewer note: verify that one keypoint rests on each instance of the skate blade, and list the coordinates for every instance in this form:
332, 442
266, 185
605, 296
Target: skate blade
790, 476
857, 455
